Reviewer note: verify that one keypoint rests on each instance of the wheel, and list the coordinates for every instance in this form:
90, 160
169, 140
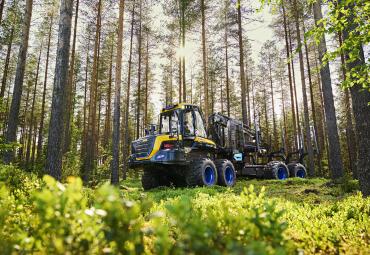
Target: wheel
201, 172
276, 170
153, 178
226, 172
297, 170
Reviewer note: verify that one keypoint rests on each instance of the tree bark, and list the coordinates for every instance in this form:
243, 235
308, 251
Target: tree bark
56, 126
287, 47
32, 121
204, 56
2, 3
69, 90
319, 154
311, 164
241, 57
276, 145
90, 149
183, 57
84, 132
6, 65
108, 110
139, 76
42, 117
299, 132
361, 112
227, 67
335, 158
146, 81
351, 138
126, 122
13, 118
117, 99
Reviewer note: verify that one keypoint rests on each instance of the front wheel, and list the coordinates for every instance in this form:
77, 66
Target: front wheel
202, 172
226, 173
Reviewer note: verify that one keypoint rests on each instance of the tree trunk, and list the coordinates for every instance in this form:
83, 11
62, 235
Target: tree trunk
351, 138
146, 81
139, 77
311, 164
56, 126
126, 122
108, 110
171, 83
335, 158
205, 72
323, 140
90, 150
287, 47
299, 132
13, 118
241, 57
247, 83
361, 112
69, 90
117, 99
227, 67
284, 143
276, 143
32, 121
42, 117
2, 3
84, 132
22, 140
6, 65
268, 137
319, 154
183, 57
34, 143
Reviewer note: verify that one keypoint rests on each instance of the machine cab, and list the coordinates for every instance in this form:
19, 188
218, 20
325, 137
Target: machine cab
186, 122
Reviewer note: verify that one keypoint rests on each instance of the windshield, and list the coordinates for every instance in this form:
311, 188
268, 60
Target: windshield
166, 120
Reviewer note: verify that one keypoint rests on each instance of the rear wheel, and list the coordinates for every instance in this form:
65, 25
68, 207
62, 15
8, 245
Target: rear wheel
202, 172
226, 172
276, 170
297, 170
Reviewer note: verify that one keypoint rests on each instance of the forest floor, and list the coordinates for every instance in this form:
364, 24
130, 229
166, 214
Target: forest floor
315, 191
295, 216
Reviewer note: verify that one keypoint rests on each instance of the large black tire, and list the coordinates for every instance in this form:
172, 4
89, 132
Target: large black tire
153, 178
226, 172
276, 170
201, 172
297, 170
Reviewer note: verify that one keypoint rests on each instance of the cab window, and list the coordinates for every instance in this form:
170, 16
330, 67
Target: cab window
189, 124
199, 125
168, 120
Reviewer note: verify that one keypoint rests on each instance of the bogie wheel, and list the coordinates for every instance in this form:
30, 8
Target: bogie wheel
202, 172
226, 172
297, 170
276, 170
152, 178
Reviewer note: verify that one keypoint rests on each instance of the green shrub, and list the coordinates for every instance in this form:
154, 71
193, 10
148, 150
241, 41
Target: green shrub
47, 217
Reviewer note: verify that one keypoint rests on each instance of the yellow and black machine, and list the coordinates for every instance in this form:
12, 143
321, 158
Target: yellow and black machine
182, 153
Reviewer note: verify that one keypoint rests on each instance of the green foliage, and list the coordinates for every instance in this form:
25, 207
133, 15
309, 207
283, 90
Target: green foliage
47, 217
353, 16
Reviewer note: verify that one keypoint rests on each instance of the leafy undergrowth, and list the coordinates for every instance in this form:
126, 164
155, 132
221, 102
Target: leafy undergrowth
296, 216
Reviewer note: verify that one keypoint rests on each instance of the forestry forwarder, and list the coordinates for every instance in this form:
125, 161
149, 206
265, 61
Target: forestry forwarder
181, 153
